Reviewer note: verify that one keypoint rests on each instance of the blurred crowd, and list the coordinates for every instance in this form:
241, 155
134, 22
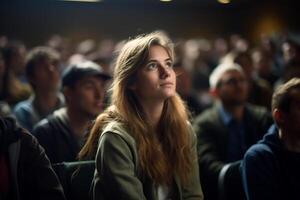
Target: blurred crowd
267, 63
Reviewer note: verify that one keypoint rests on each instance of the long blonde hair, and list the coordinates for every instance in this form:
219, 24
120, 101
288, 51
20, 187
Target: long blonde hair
161, 155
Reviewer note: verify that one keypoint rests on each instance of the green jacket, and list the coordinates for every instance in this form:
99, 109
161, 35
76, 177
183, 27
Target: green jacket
117, 170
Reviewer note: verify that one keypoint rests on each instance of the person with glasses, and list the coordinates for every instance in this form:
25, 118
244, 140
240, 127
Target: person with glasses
225, 131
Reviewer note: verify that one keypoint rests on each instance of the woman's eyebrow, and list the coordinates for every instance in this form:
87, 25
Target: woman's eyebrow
154, 60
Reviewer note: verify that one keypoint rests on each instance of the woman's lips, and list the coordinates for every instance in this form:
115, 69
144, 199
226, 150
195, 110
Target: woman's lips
168, 84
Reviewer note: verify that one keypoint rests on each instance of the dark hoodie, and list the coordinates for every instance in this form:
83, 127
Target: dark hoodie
9, 134
31, 175
270, 171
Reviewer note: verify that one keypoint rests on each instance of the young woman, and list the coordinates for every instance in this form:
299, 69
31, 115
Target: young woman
147, 149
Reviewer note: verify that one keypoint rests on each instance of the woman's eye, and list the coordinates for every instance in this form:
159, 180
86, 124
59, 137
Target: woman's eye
152, 66
169, 64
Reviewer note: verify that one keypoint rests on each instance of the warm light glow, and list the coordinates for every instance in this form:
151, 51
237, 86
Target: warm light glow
165, 0
84, 0
267, 25
224, 1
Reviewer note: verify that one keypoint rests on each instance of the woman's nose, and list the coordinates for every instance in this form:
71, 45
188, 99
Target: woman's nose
165, 70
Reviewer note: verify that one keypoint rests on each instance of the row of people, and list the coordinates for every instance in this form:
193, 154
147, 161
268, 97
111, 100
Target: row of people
267, 63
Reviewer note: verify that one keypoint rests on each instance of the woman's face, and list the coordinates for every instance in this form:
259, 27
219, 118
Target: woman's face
155, 80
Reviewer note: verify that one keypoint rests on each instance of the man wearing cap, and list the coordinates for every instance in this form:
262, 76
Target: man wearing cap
43, 75
62, 134
226, 131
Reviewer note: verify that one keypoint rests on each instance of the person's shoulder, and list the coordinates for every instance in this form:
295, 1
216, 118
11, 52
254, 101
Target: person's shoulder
42, 128
259, 151
27, 139
208, 115
118, 128
259, 148
258, 111
262, 84
23, 107
48, 122
44, 123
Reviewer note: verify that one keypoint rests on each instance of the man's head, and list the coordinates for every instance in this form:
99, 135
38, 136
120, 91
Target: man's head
84, 86
286, 106
42, 69
228, 83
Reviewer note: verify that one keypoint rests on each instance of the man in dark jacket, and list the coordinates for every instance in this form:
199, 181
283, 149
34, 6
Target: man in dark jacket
226, 131
25, 171
270, 169
62, 134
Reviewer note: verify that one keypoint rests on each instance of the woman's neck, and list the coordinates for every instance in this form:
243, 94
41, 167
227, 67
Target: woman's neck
153, 111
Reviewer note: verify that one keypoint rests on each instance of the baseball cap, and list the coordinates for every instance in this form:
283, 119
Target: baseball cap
78, 71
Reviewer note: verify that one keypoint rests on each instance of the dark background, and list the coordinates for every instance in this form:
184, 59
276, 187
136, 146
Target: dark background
34, 21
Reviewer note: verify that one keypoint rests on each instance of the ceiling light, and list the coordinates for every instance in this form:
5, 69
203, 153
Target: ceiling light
84, 0
224, 1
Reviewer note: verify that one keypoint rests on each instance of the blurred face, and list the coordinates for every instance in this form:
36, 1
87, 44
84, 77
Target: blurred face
262, 63
46, 75
156, 80
87, 96
288, 51
233, 88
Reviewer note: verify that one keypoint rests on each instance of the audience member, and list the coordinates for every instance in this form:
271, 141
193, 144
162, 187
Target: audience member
260, 92
4, 107
291, 70
62, 134
147, 149
25, 170
270, 169
14, 87
226, 131
185, 90
263, 65
43, 75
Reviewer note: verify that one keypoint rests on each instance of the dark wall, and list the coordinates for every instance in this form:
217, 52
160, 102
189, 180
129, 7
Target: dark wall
34, 21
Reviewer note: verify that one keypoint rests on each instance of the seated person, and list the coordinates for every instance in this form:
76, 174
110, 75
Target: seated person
25, 170
43, 75
226, 131
146, 149
62, 134
270, 169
